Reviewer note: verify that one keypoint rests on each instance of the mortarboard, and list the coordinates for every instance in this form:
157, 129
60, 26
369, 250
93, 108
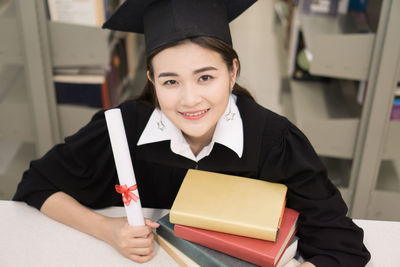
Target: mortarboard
167, 21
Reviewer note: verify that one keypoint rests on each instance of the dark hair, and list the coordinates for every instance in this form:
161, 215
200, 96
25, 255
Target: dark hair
226, 51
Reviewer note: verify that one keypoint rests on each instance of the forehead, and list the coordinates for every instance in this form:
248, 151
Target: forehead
186, 56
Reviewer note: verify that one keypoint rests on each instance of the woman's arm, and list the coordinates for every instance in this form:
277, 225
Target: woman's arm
134, 242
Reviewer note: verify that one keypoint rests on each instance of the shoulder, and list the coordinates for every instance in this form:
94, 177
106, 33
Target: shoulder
135, 114
268, 125
136, 106
130, 110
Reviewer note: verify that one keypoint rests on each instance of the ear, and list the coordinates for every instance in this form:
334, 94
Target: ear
149, 77
235, 67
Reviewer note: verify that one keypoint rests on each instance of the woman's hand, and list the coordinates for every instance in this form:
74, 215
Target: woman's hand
134, 242
306, 264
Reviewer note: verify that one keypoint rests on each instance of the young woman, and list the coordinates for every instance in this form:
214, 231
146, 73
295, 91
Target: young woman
192, 114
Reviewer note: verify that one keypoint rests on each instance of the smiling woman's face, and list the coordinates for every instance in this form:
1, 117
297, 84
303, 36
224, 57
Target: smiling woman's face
193, 85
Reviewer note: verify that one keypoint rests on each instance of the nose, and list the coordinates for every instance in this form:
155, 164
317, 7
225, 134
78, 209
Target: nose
190, 96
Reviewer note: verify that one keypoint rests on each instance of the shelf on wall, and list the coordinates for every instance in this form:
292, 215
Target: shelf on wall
328, 115
392, 144
387, 190
389, 176
77, 45
72, 118
338, 50
10, 47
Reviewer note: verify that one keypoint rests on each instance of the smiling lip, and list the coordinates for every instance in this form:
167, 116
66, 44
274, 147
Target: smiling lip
194, 115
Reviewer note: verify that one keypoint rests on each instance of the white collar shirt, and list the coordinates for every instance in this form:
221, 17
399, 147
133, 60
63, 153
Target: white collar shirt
227, 132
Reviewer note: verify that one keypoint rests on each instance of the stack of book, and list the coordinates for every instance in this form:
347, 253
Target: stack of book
225, 220
88, 90
97, 87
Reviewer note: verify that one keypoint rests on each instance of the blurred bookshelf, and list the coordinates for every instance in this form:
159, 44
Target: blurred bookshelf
337, 46
332, 90
41, 47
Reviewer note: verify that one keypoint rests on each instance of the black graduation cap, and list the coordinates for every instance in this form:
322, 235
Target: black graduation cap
167, 21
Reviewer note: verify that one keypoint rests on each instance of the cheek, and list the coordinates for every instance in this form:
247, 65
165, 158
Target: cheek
165, 99
220, 92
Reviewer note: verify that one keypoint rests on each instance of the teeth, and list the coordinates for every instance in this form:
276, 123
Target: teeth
195, 114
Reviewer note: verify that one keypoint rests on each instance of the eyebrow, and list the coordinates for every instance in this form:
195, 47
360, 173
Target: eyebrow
169, 74
204, 69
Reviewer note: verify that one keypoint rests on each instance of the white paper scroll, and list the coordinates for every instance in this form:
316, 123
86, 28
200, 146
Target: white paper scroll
123, 163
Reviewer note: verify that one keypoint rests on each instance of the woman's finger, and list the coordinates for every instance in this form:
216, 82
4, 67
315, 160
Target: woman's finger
139, 231
151, 223
141, 259
138, 242
141, 251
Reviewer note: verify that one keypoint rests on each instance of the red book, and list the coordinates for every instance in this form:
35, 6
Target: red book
257, 251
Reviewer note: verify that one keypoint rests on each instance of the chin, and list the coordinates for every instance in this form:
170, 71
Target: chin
195, 133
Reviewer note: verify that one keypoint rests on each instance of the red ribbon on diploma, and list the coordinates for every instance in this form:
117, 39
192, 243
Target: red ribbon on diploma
127, 195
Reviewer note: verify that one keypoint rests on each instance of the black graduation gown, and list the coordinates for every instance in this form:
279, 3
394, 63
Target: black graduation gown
274, 150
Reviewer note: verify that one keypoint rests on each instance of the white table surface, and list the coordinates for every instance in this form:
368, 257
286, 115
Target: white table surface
29, 238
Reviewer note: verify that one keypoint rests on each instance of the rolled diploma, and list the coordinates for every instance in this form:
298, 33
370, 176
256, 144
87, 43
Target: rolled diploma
123, 163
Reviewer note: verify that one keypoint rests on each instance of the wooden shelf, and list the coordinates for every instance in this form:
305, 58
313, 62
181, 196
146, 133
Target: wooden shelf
337, 49
77, 45
72, 118
328, 115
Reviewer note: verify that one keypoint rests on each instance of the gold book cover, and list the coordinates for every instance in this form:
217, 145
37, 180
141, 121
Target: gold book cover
229, 204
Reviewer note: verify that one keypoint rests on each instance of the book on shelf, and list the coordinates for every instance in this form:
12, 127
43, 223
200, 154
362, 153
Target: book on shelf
257, 251
395, 114
82, 90
229, 204
358, 4
328, 7
82, 12
372, 12
120, 71
202, 255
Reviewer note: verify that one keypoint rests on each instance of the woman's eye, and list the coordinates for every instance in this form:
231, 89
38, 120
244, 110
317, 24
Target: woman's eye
205, 78
169, 82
